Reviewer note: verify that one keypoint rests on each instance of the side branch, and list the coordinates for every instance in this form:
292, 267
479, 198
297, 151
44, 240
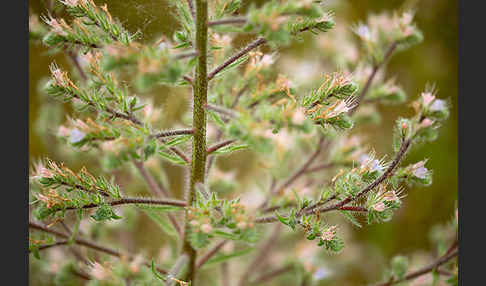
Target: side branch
125, 201
236, 56
341, 205
376, 67
401, 152
235, 20
429, 268
218, 146
173, 133
86, 243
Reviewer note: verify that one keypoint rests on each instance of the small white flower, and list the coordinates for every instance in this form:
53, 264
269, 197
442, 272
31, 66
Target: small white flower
438, 105
363, 32
375, 166
267, 60
321, 273
76, 136
420, 172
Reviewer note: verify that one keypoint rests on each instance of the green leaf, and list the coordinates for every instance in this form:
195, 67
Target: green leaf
178, 140
173, 159
230, 148
162, 221
159, 208
399, 266
351, 218
225, 235
105, 212
156, 273
233, 65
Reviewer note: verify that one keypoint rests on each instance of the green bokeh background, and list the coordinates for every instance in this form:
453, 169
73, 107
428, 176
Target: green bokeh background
434, 61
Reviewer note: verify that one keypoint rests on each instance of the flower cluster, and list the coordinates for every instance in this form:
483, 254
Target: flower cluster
381, 204
60, 188
213, 217
384, 31
320, 106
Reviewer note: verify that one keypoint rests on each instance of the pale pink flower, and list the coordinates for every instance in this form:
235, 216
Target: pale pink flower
379, 207
206, 228
73, 3
426, 122
329, 234
427, 98
299, 116
99, 272
63, 131
56, 27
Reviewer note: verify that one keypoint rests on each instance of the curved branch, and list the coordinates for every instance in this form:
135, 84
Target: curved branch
259, 41
219, 145
429, 268
341, 205
210, 254
86, 243
376, 67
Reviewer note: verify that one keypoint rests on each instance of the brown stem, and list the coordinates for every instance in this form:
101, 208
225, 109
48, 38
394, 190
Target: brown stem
210, 254
301, 171
87, 243
157, 190
125, 201
173, 133
424, 270
236, 56
149, 179
191, 8
398, 157
220, 109
376, 67
47, 246
235, 20
339, 205
218, 146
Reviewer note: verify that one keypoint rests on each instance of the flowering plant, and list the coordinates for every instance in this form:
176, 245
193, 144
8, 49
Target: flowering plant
300, 132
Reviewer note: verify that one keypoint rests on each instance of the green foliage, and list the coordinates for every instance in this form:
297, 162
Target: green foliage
263, 110
278, 21
105, 212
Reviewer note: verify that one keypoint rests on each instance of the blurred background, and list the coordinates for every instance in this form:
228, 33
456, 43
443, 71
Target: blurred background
433, 61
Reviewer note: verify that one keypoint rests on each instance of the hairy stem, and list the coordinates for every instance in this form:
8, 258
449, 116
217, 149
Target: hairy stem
87, 243
210, 254
198, 163
429, 268
234, 20
376, 67
126, 201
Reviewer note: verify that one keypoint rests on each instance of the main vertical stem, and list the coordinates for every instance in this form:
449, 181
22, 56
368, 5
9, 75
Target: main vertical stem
199, 125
